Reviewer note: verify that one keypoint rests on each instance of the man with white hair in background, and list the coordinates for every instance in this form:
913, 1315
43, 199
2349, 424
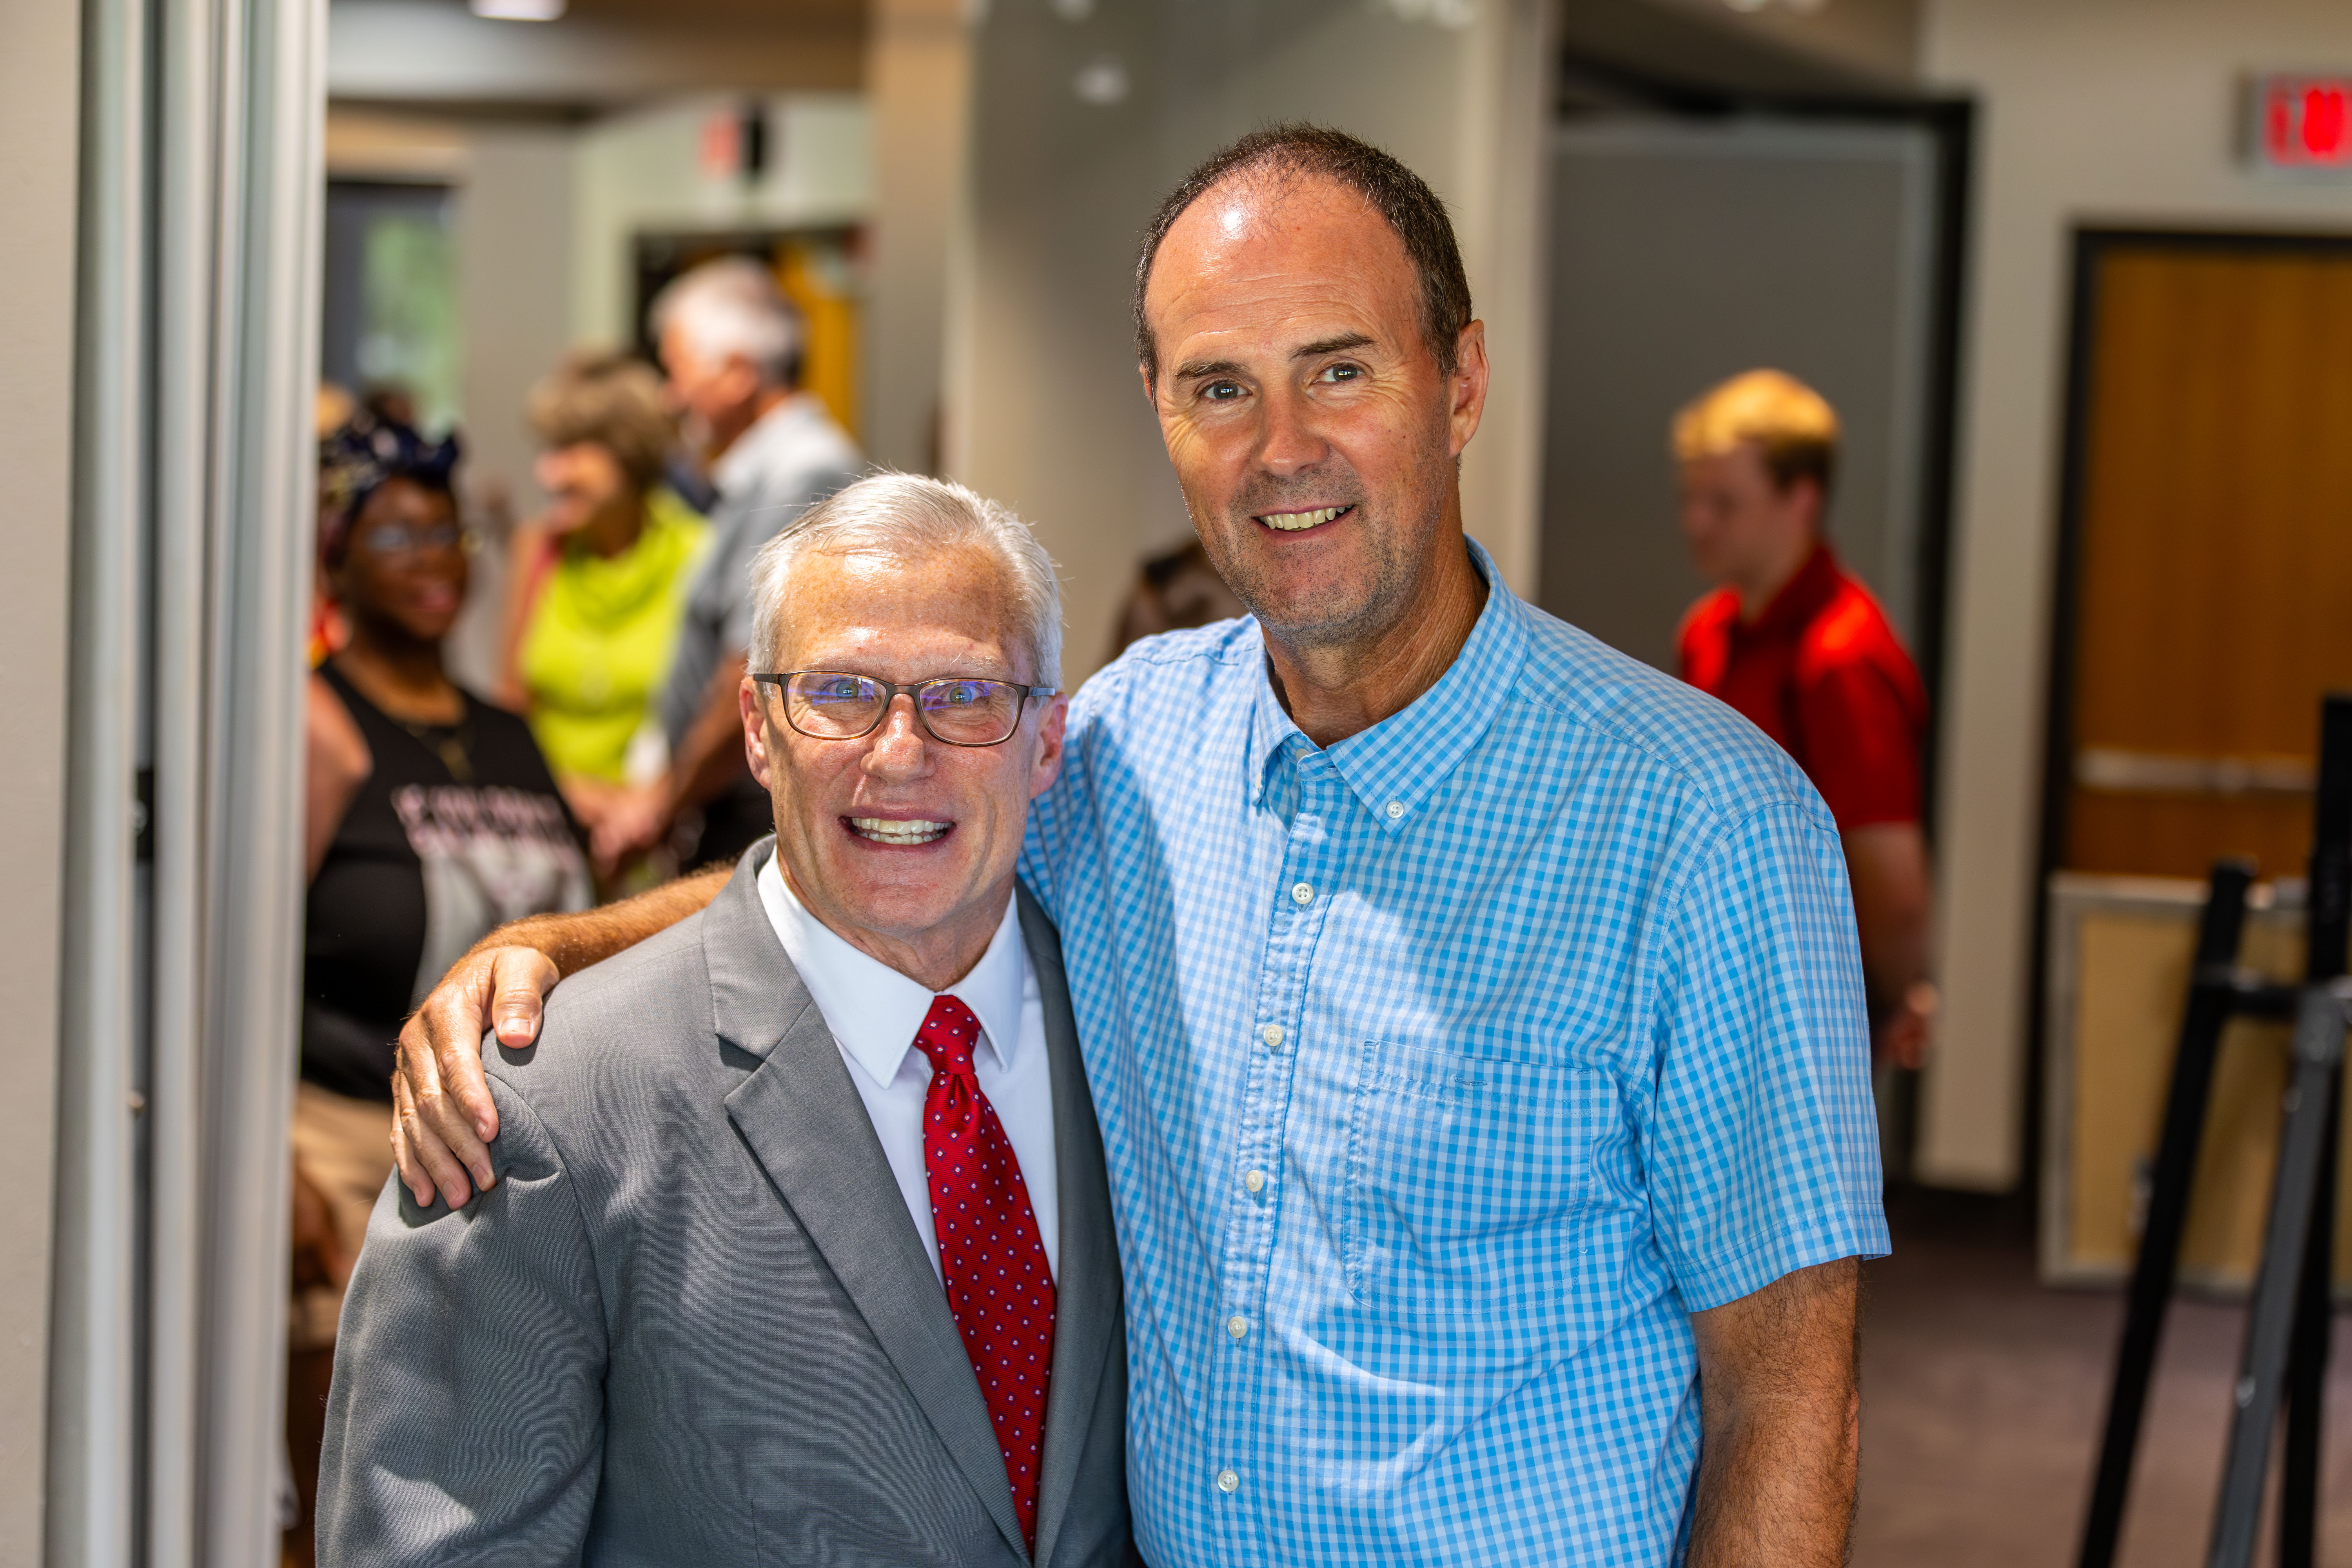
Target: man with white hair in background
731, 345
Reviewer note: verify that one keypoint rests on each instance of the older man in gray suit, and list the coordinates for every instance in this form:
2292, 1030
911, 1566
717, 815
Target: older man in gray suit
801, 1251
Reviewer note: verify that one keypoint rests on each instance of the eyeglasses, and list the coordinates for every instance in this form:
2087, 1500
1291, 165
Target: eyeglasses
833, 705
387, 540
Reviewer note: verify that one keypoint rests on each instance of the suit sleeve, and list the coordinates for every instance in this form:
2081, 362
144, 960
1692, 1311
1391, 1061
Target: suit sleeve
465, 1423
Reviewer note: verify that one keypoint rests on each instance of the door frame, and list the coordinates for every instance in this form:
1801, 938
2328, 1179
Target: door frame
1950, 123
2090, 246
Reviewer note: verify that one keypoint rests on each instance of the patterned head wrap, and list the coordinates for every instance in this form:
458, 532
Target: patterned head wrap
362, 456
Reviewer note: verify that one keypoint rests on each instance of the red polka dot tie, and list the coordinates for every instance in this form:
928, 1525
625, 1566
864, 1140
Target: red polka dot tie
1000, 1290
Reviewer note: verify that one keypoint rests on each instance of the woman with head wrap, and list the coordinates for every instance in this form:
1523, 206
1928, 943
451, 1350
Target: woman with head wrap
431, 818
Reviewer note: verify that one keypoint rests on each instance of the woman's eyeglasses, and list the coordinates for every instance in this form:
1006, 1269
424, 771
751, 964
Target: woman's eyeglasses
390, 541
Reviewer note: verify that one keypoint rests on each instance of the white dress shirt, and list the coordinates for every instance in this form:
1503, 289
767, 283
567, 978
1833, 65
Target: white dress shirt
874, 1011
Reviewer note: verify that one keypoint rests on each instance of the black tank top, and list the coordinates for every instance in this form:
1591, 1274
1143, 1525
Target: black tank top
456, 830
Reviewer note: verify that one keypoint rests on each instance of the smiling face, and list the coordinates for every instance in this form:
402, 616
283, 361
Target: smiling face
583, 481
902, 844
403, 571
1310, 425
1743, 530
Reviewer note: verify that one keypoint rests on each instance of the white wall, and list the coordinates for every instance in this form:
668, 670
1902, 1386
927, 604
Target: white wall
40, 66
919, 81
643, 170
1045, 408
2092, 111
515, 243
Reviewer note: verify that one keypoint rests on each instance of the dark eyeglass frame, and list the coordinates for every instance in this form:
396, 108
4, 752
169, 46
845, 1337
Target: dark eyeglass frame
782, 681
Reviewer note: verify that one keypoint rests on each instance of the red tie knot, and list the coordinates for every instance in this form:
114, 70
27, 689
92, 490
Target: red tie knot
949, 1033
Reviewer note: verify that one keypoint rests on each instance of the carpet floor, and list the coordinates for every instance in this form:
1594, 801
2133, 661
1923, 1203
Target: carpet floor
1983, 1391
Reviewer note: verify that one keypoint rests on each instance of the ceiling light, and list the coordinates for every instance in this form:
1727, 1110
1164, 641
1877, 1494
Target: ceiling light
517, 10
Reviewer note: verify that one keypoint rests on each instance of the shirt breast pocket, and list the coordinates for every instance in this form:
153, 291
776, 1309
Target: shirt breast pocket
1471, 1188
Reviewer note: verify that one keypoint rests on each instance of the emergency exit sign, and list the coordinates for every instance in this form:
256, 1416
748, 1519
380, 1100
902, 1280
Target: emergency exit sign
2302, 124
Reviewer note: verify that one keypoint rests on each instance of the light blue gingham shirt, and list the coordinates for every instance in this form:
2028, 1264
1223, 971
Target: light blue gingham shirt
1443, 1072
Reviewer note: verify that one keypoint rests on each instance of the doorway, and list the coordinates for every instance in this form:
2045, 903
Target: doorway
1685, 251
2206, 549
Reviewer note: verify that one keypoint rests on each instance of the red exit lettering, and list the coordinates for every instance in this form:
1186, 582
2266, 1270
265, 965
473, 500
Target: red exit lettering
2304, 122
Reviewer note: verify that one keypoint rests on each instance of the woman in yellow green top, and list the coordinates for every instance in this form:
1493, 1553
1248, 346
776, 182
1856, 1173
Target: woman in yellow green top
599, 582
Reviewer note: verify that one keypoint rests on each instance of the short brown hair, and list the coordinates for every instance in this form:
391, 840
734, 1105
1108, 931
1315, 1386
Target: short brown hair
1792, 425
1395, 192
613, 400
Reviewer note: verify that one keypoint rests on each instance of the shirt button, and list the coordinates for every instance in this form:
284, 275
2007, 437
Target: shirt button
1395, 809
1272, 1035
1227, 1480
1303, 893
1238, 1327
1255, 1181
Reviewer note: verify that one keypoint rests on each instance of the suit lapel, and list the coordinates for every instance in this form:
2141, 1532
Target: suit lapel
1090, 1320
803, 1119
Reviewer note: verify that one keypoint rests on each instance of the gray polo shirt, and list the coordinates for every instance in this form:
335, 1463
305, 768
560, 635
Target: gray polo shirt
791, 457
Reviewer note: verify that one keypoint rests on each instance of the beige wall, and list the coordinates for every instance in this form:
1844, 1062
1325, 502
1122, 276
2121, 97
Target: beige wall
642, 171
39, 68
2092, 111
515, 244
919, 81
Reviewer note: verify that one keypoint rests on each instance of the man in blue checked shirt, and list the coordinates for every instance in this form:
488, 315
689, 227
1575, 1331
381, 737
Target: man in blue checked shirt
1473, 1014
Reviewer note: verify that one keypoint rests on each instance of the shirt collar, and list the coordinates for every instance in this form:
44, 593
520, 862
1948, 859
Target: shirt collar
871, 1008
742, 463
1800, 598
1399, 761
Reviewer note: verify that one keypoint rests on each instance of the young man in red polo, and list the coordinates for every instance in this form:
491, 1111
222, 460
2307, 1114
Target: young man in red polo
1804, 652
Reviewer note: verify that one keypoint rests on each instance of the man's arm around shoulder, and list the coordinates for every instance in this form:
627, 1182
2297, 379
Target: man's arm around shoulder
465, 1423
443, 1115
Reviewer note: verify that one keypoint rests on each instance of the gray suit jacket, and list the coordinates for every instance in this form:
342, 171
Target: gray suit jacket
693, 1322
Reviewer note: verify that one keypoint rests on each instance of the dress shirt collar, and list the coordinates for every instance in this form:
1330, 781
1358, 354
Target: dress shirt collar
1402, 759
874, 1010
745, 461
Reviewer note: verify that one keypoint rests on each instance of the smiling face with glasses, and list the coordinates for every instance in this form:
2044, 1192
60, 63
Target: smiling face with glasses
403, 570
902, 748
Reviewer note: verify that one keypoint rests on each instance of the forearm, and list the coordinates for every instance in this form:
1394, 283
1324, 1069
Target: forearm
1782, 1425
1894, 962
1888, 865
710, 756
1775, 1485
573, 941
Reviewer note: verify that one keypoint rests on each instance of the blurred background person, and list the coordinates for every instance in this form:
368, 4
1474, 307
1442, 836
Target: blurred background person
731, 344
1171, 592
1804, 652
598, 584
431, 818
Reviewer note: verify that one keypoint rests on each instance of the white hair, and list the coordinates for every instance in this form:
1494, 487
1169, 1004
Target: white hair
730, 309
909, 516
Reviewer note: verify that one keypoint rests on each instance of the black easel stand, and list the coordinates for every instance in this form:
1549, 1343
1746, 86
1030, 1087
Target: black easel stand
2285, 1358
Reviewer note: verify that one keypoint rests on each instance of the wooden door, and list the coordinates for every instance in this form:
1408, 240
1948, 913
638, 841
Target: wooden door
2206, 599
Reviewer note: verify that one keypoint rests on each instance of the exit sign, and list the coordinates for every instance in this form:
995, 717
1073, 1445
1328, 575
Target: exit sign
2304, 123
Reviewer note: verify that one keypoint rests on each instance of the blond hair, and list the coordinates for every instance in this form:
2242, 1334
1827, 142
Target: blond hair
1791, 424
613, 400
